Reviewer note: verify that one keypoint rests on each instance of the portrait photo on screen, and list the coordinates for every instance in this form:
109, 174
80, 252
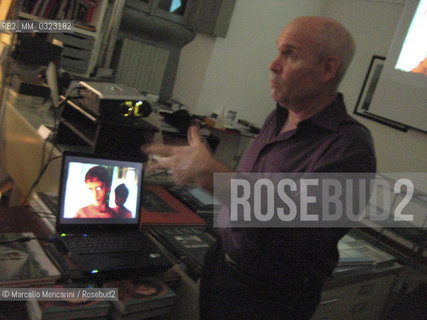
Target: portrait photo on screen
413, 56
100, 191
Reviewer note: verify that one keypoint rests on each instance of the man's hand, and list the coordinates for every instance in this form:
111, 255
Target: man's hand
192, 164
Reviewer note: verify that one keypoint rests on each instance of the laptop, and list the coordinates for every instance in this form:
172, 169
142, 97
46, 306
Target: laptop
99, 212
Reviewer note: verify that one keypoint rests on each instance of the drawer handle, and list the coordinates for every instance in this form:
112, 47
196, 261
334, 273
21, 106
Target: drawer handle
333, 300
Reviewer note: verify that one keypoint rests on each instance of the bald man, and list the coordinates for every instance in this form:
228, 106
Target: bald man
277, 273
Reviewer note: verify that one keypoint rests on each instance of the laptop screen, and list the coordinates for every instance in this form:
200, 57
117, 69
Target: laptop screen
98, 191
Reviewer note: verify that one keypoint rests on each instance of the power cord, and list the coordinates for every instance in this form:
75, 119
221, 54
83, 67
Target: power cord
36, 182
42, 163
156, 174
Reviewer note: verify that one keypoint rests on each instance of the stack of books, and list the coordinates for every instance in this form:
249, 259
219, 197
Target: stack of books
68, 308
161, 209
141, 299
24, 263
188, 244
357, 253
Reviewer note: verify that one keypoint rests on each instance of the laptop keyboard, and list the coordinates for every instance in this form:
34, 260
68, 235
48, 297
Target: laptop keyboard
120, 243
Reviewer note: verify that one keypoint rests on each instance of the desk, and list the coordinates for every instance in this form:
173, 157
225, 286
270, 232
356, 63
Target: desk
21, 150
354, 296
21, 219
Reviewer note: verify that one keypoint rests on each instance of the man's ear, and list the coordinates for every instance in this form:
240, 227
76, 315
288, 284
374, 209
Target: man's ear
330, 68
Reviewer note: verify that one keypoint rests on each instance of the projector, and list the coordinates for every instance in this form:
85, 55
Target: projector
111, 101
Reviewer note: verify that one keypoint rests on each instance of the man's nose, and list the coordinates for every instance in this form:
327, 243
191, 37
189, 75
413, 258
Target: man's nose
275, 65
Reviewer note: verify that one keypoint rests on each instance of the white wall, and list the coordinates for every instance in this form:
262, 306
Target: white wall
233, 72
372, 24
237, 75
193, 63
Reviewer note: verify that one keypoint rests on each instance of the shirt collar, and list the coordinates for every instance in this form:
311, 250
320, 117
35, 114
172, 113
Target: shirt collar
332, 116
329, 118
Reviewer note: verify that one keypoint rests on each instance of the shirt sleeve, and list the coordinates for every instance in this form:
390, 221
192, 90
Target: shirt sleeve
354, 154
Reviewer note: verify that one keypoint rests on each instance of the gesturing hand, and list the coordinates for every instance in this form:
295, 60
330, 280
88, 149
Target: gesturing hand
188, 164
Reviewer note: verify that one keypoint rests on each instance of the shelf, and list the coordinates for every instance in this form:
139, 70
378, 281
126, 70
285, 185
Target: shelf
94, 19
77, 28
84, 31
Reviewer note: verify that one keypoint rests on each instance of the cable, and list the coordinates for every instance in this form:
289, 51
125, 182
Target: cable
44, 150
42, 214
156, 174
36, 182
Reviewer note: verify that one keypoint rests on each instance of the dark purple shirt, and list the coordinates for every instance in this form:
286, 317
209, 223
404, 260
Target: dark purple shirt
329, 141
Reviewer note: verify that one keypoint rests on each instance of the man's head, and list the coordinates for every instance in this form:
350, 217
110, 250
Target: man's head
314, 54
98, 182
121, 193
